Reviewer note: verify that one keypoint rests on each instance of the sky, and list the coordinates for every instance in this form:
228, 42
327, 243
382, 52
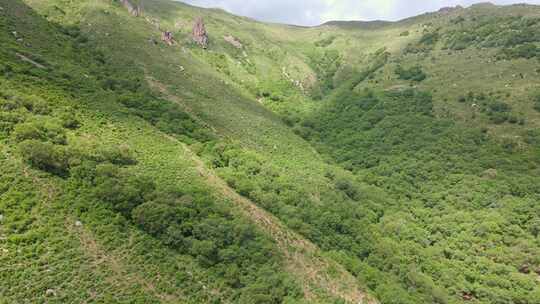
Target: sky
315, 12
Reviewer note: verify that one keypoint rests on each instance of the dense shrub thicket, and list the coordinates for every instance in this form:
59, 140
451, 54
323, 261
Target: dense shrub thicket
106, 183
517, 36
414, 73
426, 43
325, 64
458, 220
188, 219
493, 106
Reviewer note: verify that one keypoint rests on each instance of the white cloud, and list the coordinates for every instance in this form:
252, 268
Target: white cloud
313, 12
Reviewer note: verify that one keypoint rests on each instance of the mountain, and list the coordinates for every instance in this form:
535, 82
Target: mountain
158, 152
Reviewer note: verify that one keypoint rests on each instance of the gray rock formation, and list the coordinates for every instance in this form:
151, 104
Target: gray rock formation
132, 8
200, 36
233, 41
167, 37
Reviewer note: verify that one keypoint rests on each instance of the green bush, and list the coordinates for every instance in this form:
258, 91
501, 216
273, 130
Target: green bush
69, 120
325, 64
118, 155
154, 217
499, 106
122, 192
536, 101
414, 73
167, 116
41, 129
527, 51
426, 43
326, 41
45, 156
516, 36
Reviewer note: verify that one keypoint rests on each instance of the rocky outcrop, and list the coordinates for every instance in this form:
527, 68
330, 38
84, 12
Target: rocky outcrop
200, 36
132, 8
233, 41
167, 37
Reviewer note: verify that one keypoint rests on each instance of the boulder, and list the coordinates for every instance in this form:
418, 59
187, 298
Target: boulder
167, 37
200, 36
233, 41
132, 8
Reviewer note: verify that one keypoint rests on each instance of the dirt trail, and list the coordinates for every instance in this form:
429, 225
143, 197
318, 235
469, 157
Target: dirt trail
303, 258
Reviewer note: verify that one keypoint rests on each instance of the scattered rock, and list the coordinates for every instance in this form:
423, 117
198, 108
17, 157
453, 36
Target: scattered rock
167, 37
181, 68
78, 223
233, 41
1, 217
50, 293
152, 41
525, 269
200, 36
467, 296
132, 8
14, 34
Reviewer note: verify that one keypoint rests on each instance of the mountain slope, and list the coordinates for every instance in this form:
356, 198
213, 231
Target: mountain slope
363, 139
101, 235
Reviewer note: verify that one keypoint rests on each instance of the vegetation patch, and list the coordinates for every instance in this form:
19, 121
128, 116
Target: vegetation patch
414, 73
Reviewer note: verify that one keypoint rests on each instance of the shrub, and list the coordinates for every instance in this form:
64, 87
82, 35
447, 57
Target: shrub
35, 105
498, 117
122, 192
154, 217
69, 120
43, 130
430, 38
536, 101
325, 42
121, 155
414, 73
527, 51
499, 106
348, 188
45, 156
425, 44
404, 34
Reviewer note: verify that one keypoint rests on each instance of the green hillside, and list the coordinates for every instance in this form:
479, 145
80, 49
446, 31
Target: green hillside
353, 162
